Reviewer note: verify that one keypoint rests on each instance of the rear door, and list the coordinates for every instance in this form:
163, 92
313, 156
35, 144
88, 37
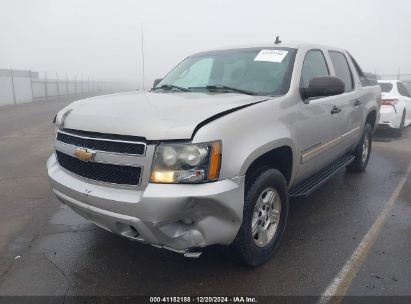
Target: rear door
350, 103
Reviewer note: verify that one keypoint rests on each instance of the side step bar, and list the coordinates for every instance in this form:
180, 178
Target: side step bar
310, 184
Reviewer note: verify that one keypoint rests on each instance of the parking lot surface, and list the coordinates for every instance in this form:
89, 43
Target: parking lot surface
46, 249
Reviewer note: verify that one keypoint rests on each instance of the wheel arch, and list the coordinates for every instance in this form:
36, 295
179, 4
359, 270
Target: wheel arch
372, 118
280, 158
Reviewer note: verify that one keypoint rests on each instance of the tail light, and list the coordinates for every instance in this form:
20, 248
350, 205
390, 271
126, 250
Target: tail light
389, 102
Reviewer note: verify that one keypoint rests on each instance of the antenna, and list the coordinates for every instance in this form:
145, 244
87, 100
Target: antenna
142, 52
277, 40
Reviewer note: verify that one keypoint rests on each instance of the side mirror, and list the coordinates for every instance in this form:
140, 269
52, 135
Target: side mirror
322, 87
156, 82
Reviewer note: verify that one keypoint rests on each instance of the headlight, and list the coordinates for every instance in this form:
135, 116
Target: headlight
186, 163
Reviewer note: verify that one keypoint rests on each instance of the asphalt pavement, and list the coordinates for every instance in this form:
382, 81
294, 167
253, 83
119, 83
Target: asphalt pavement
46, 249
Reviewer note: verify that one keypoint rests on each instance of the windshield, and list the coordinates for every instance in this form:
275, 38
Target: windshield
386, 86
257, 71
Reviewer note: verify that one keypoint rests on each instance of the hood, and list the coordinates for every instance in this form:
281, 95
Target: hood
155, 116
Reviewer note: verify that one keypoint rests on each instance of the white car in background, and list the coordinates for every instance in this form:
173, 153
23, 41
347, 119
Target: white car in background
395, 111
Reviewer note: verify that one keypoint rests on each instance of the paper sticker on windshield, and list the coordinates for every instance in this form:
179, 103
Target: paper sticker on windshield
271, 55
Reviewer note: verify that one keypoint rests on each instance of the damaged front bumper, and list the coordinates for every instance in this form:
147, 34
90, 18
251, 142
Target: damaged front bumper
181, 217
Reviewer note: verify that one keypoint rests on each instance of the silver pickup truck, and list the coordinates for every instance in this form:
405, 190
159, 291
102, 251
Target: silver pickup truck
213, 152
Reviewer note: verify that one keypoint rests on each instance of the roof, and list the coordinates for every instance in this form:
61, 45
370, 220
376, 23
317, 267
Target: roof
291, 44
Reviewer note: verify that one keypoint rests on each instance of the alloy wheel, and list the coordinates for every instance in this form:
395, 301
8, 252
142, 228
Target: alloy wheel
266, 216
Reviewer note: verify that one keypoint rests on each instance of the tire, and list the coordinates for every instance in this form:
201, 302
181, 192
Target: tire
398, 132
251, 248
362, 151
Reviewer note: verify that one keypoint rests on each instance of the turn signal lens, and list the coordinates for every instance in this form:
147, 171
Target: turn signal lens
215, 160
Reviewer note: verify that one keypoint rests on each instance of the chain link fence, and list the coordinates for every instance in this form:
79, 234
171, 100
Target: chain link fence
20, 86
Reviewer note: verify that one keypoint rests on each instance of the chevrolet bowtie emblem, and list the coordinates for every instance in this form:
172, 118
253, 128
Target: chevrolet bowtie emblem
83, 154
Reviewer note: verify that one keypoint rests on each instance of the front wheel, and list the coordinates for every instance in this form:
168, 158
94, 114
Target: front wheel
264, 218
362, 151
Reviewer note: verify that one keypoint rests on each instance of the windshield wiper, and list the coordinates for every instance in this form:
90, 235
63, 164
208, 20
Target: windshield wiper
170, 87
223, 88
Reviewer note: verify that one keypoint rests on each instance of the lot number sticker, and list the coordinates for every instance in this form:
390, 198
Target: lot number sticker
271, 55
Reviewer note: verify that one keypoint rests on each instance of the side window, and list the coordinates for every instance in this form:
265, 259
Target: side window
402, 89
407, 92
342, 69
314, 66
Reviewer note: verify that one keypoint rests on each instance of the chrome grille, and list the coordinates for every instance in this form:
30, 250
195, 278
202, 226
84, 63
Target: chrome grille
108, 173
101, 143
117, 159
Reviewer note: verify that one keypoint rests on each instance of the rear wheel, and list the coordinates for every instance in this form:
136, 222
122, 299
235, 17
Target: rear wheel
362, 151
264, 218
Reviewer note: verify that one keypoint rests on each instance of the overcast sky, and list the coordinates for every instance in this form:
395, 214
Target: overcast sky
101, 39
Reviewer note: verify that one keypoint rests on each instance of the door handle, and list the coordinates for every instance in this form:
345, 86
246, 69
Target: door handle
357, 103
335, 110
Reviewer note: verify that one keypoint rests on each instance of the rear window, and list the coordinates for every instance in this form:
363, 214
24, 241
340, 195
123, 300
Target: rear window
386, 86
